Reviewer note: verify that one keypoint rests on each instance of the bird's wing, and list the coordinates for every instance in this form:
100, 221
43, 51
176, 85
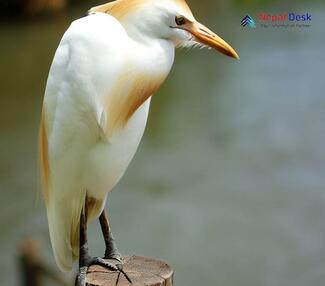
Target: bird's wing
87, 64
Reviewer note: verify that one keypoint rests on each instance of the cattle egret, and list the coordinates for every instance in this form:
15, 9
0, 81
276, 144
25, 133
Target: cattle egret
106, 69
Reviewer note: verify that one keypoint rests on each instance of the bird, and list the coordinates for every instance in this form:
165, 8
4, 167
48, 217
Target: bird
107, 67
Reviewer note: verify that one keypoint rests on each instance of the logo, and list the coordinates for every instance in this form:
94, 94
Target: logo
292, 17
285, 20
276, 21
248, 21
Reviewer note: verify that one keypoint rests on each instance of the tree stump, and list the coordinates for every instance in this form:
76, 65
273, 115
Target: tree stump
143, 271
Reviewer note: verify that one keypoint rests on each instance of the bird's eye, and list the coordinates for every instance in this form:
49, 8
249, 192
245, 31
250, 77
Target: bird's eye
180, 20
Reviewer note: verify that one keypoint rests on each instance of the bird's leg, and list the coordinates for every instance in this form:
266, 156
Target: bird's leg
85, 261
111, 251
83, 251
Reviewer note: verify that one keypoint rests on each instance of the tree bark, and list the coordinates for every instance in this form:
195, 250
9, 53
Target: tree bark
142, 271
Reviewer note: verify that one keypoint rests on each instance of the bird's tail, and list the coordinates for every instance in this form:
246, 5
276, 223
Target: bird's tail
63, 219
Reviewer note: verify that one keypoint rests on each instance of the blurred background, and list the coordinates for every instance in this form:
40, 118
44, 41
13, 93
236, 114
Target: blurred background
228, 183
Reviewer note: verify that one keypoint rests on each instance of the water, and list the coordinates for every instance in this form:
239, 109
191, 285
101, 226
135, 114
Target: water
228, 184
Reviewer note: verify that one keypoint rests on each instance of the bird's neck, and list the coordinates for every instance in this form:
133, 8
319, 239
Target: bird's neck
148, 68
154, 57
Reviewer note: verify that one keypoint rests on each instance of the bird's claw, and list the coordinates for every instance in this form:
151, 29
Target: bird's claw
114, 264
81, 277
110, 264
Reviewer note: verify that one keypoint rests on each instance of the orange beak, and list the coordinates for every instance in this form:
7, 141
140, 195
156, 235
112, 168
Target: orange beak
205, 36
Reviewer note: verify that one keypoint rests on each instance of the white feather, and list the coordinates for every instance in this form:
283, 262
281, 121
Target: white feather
97, 54
90, 59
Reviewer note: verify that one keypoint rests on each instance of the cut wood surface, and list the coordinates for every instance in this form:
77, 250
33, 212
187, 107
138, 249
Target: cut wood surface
143, 271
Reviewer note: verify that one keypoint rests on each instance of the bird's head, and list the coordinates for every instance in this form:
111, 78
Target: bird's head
164, 19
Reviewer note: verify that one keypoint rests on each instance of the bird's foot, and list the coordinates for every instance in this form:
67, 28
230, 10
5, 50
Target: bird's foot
113, 263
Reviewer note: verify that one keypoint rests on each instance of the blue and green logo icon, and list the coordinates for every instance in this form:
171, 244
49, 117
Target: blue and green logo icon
248, 21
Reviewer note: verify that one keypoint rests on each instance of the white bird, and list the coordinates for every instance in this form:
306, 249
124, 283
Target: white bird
106, 69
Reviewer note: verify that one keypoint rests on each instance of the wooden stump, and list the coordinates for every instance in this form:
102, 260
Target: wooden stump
143, 271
